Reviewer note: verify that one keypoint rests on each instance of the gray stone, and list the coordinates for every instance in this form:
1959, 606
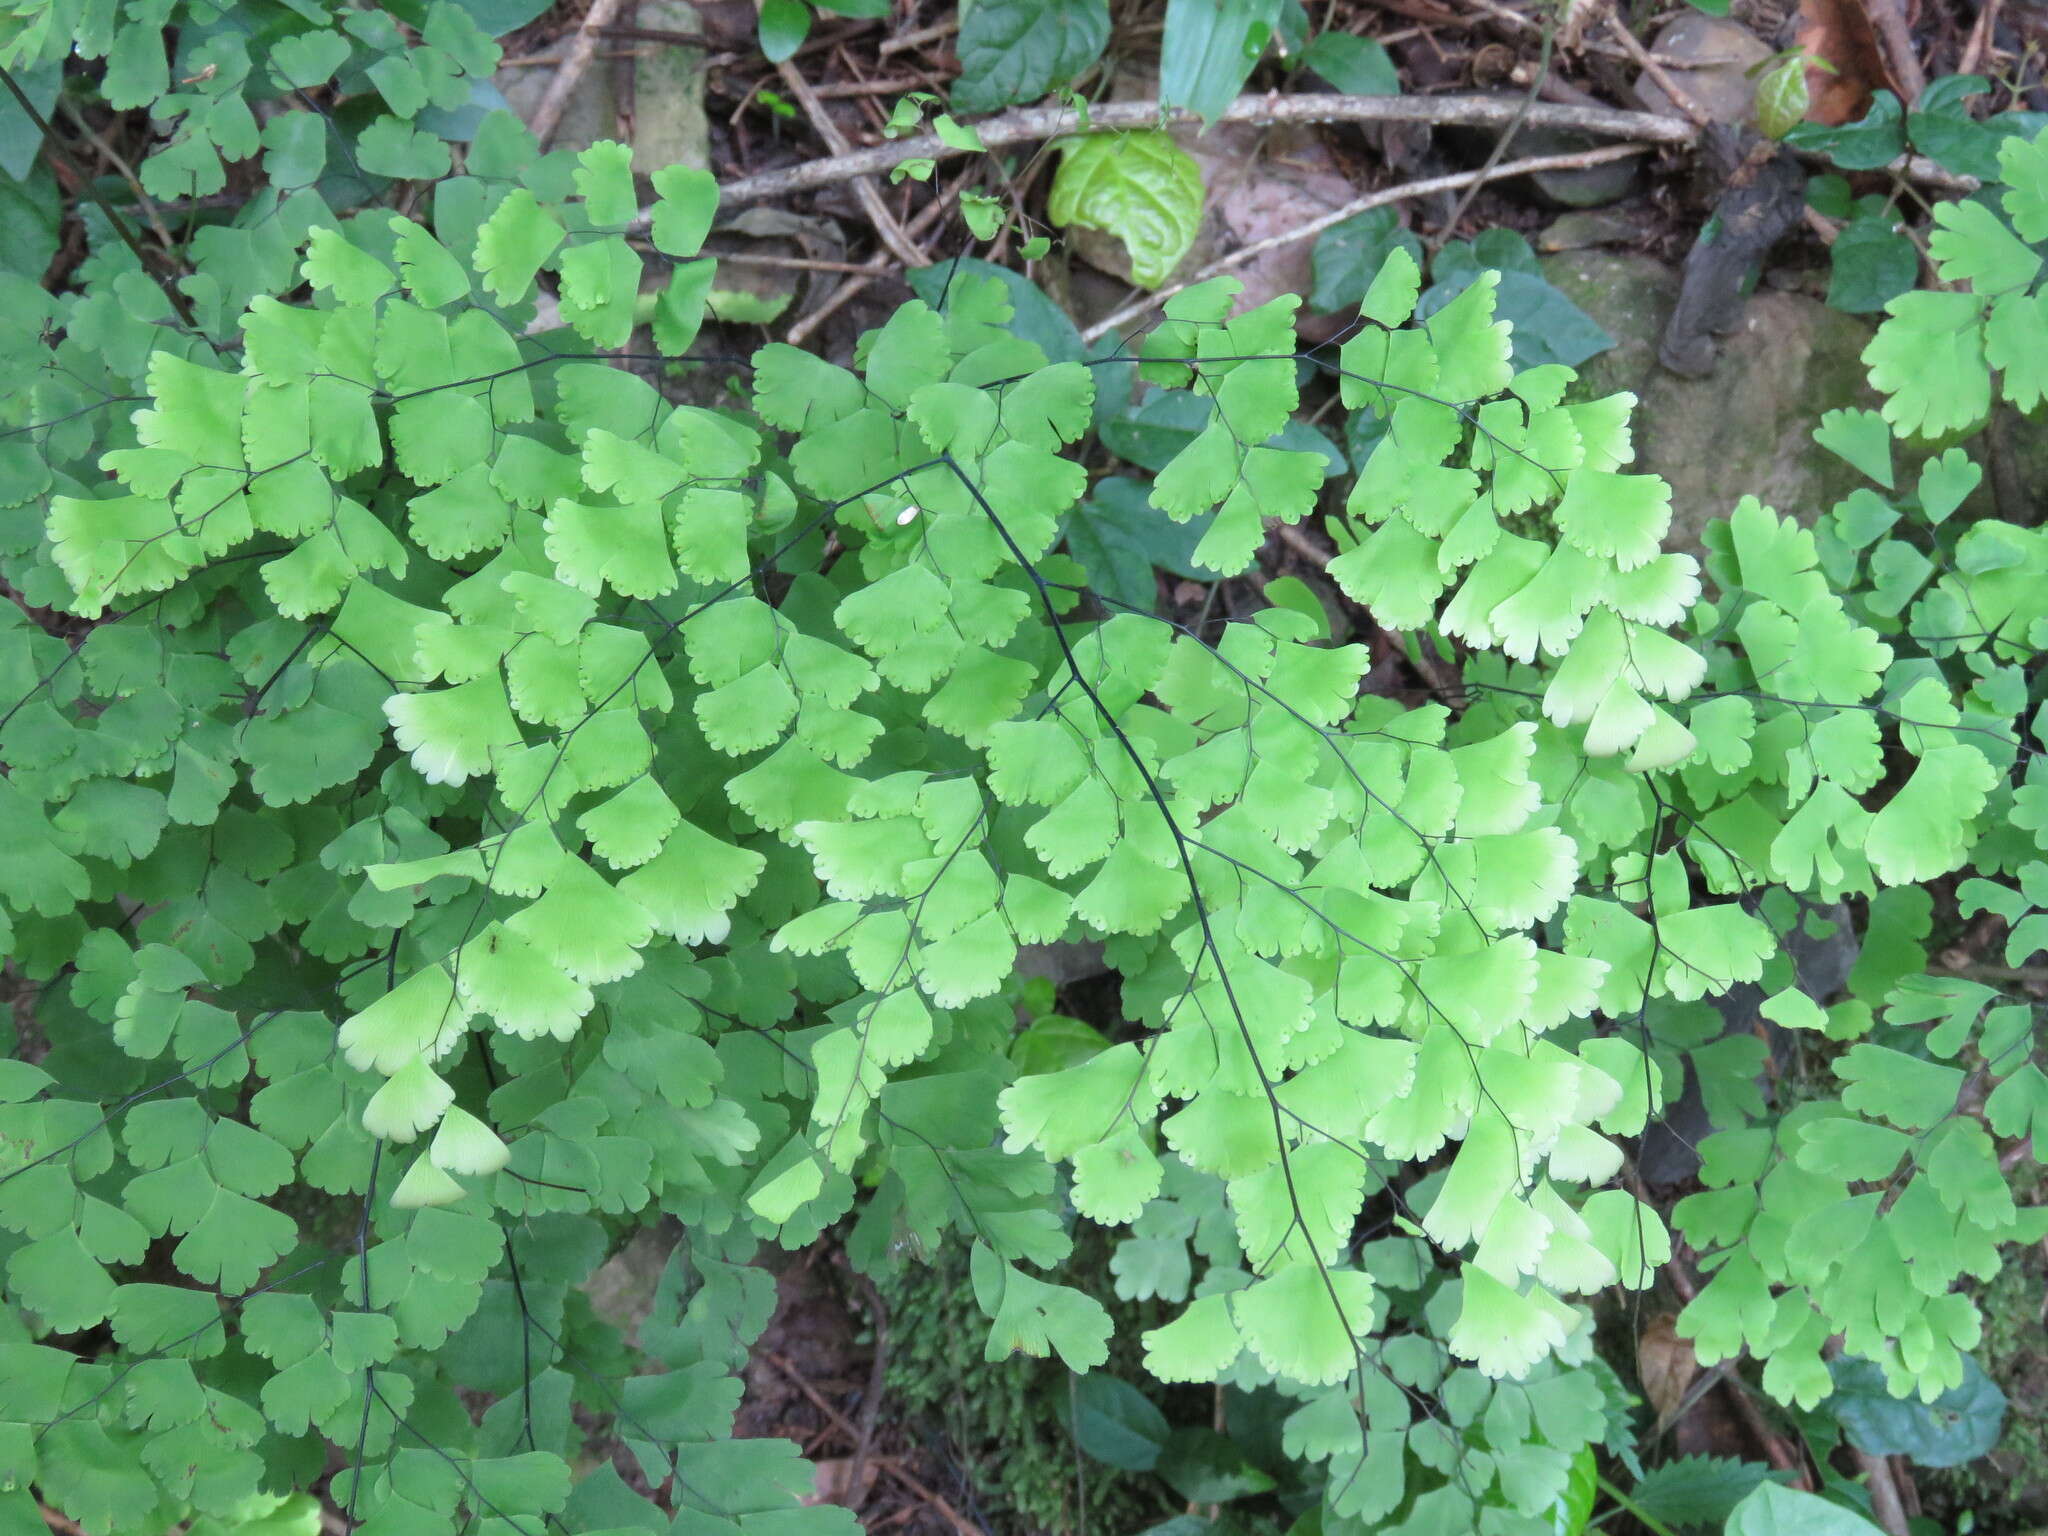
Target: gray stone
1580, 229
1592, 186
621, 1291
669, 125
592, 111
1748, 428
1709, 58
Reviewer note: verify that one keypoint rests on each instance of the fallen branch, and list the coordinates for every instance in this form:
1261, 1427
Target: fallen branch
920, 37
1356, 206
1897, 38
887, 227
877, 264
1030, 125
1887, 1504
575, 62
1648, 62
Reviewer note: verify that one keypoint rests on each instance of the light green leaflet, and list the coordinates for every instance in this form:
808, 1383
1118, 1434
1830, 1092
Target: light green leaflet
483, 803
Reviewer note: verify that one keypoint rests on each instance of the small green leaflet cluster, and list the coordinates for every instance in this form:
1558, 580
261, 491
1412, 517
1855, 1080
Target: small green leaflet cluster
495, 799
1885, 648
1935, 356
570, 961
1856, 1216
413, 77
1765, 785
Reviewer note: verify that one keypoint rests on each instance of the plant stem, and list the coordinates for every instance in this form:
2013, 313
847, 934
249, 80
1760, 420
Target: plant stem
1648, 1521
42, 126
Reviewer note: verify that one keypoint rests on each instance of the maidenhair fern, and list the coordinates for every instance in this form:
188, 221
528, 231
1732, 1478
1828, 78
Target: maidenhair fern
450, 778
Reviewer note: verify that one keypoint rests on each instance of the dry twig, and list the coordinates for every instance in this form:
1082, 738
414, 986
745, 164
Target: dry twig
789, 263
886, 1464
71, 175
113, 157
1979, 44
1501, 144
1380, 199
877, 266
575, 62
1681, 98
878, 1370
1887, 1504
920, 37
1776, 1451
536, 60
1029, 125
894, 86
1890, 17
887, 227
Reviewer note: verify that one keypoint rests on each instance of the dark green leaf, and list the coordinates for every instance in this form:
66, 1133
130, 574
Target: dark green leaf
1120, 537
784, 26
1017, 50
1697, 1490
1113, 377
1829, 195
1204, 1467
30, 212
1942, 129
497, 17
1500, 250
1116, 1423
1348, 257
1549, 327
1210, 48
1357, 66
1033, 316
1877, 139
1163, 422
460, 124
1873, 264
1151, 432
1958, 1426
20, 139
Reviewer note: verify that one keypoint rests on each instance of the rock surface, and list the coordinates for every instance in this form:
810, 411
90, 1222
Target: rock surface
1710, 59
669, 125
1748, 427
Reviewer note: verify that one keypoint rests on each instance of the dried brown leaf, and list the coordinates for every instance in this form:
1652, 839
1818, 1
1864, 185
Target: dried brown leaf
1842, 33
835, 1482
1666, 1365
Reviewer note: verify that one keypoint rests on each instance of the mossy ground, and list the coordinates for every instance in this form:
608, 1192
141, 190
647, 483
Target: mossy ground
1005, 1424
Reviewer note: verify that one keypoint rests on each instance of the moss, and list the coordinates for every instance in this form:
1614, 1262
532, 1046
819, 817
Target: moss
1004, 1425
